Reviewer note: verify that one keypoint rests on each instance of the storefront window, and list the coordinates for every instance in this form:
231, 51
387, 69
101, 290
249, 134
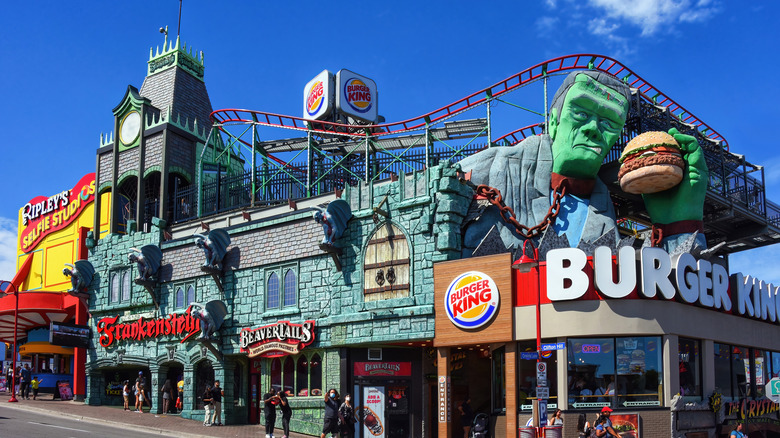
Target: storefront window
498, 386
722, 362
775, 364
761, 361
276, 374
527, 375
315, 375
740, 372
289, 375
303, 376
690, 367
614, 372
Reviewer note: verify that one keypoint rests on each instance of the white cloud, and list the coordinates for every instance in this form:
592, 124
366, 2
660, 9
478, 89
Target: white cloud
551, 3
651, 15
546, 24
599, 26
7, 248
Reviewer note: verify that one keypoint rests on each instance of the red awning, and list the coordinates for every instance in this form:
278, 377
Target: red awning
36, 309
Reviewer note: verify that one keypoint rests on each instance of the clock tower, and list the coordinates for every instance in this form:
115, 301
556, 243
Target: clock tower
161, 130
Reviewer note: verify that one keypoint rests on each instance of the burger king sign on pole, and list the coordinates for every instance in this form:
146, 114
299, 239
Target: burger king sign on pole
471, 300
356, 96
318, 96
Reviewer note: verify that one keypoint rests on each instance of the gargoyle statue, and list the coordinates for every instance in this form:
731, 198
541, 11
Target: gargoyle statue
333, 220
210, 315
148, 259
80, 273
214, 246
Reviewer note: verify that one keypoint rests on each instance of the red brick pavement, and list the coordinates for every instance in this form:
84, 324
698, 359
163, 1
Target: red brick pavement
168, 425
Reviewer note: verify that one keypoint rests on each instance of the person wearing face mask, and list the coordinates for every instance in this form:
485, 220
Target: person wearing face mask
347, 418
331, 421
284, 405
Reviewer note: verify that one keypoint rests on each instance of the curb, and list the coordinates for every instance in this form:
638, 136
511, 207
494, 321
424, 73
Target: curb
86, 419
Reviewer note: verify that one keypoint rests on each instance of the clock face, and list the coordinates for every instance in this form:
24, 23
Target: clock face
130, 128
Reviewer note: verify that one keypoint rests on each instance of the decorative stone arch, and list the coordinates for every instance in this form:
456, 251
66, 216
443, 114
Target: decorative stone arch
127, 174
151, 169
184, 173
103, 188
387, 256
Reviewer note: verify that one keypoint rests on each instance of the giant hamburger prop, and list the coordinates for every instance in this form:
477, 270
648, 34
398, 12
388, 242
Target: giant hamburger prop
651, 162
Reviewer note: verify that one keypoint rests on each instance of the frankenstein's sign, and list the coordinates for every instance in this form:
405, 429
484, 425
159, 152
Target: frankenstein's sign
179, 325
280, 339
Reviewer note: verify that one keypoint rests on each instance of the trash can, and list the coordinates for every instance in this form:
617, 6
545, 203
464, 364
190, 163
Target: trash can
553, 432
527, 432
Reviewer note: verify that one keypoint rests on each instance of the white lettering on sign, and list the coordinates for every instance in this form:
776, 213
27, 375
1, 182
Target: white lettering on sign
567, 264
681, 277
602, 262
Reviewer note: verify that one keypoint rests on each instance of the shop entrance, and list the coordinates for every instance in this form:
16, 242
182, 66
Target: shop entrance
383, 408
204, 375
175, 374
254, 392
470, 374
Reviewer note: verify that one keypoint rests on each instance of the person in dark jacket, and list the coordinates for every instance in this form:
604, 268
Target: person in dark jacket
347, 417
270, 400
331, 420
284, 405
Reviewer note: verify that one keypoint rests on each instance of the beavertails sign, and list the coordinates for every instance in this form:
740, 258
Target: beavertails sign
278, 339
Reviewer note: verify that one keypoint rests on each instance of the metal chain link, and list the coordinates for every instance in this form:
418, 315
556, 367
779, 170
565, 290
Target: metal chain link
493, 195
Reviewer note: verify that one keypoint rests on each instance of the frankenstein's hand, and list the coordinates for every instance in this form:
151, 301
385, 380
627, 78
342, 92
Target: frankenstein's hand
685, 201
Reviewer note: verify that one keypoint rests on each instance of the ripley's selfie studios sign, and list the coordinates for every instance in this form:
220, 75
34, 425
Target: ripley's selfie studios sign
43, 216
651, 273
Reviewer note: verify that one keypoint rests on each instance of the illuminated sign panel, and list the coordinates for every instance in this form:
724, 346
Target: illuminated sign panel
356, 96
471, 301
318, 96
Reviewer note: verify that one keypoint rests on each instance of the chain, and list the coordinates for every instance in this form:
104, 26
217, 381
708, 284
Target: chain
494, 196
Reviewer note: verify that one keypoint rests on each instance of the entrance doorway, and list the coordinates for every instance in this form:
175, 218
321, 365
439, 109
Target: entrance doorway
383, 408
204, 375
470, 373
175, 374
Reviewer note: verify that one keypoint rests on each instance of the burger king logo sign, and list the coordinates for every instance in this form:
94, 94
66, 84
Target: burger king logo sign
358, 95
314, 98
471, 300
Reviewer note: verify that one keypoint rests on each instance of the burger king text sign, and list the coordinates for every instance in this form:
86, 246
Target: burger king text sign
473, 296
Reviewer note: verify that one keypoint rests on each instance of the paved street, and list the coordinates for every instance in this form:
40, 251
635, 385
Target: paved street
63, 419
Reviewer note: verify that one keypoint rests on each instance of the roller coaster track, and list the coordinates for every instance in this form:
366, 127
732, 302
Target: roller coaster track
222, 117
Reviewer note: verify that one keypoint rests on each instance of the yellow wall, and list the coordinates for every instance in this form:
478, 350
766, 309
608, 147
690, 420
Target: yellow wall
59, 247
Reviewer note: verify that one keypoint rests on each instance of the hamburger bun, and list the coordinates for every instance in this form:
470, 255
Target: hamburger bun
651, 162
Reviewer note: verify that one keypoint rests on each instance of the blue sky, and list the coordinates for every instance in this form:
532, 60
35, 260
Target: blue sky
65, 65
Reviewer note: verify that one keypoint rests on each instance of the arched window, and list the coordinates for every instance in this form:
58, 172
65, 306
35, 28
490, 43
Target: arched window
290, 288
114, 298
273, 291
315, 375
179, 297
126, 287
190, 295
289, 375
302, 385
276, 374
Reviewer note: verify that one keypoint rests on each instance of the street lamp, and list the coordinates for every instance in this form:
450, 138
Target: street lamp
524, 265
4, 286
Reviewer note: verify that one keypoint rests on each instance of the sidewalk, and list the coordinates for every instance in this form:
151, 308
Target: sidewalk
168, 425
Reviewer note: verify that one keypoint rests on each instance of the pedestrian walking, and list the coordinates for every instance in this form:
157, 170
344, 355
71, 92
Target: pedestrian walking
25, 380
125, 394
216, 399
270, 400
166, 392
35, 383
347, 418
284, 405
331, 421
207, 405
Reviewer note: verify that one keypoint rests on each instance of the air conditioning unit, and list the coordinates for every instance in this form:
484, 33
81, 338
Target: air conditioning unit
374, 354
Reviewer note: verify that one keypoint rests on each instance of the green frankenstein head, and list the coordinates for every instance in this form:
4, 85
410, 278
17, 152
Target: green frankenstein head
587, 116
